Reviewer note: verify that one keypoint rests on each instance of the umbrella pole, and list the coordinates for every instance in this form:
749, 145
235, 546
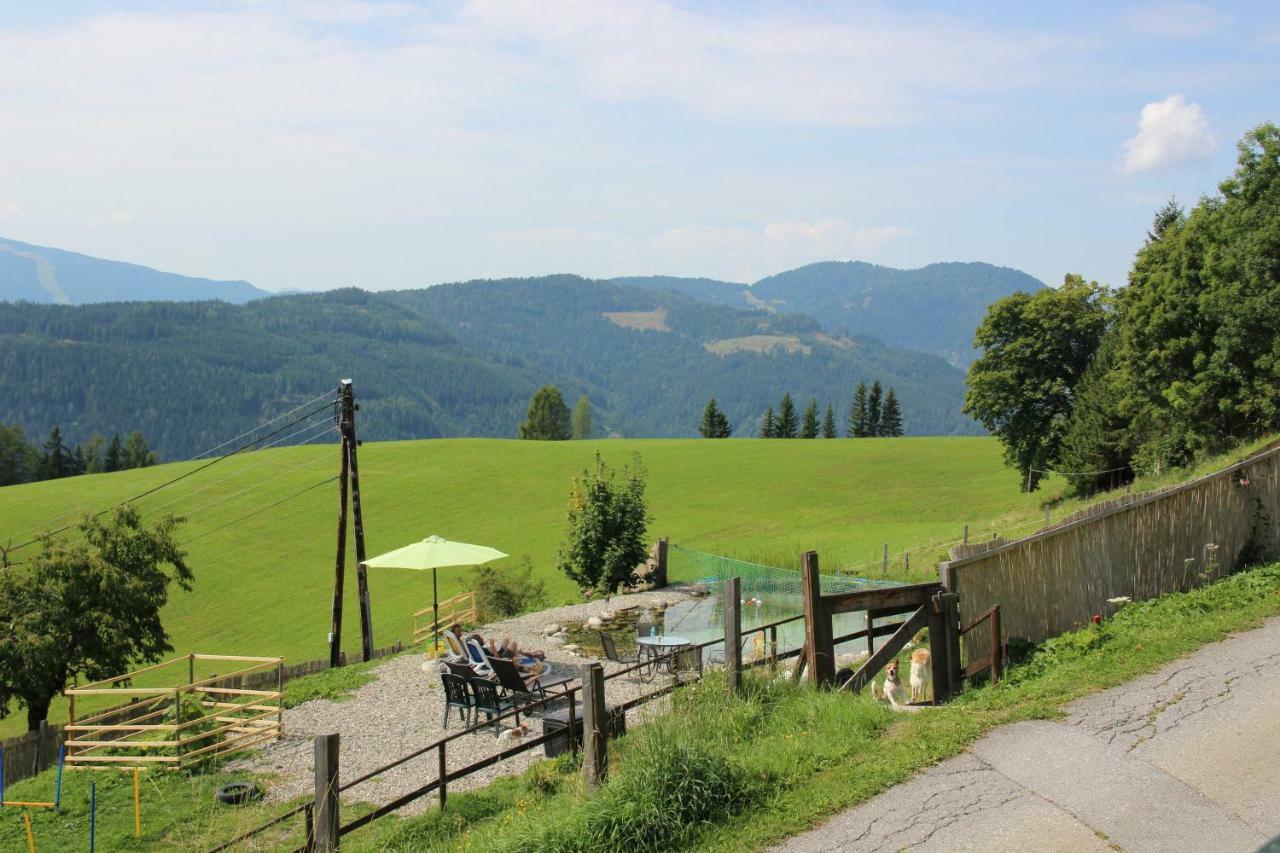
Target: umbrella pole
435, 608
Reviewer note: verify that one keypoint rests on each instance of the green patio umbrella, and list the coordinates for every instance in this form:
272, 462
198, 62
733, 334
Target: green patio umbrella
433, 553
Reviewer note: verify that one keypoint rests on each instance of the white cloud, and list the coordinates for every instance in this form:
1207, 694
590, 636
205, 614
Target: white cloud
1170, 132
1176, 20
114, 219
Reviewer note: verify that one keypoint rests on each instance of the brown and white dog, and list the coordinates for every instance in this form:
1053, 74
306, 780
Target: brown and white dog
921, 673
514, 734
893, 685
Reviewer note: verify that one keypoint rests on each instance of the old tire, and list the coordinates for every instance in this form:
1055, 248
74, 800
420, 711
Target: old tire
237, 793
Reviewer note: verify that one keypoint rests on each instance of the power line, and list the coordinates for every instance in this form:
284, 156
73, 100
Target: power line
262, 425
249, 515
1083, 473
180, 477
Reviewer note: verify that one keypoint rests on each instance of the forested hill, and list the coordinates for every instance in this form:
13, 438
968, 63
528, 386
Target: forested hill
934, 308
40, 274
456, 360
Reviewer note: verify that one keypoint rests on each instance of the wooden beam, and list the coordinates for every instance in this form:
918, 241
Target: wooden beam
881, 599
889, 650
733, 633
817, 624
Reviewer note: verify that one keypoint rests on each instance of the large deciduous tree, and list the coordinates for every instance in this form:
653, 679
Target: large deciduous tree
582, 426
548, 416
88, 608
608, 519
1035, 349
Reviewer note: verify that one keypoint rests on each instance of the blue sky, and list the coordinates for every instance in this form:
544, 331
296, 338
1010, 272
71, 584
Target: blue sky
399, 144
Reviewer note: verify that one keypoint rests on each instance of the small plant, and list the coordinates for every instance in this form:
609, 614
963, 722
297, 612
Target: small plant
502, 593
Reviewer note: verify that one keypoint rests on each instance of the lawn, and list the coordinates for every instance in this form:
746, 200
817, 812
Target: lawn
264, 574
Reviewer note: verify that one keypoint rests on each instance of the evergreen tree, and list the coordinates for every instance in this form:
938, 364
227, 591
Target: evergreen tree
93, 454
56, 460
582, 418
873, 409
891, 419
136, 452
114, 459
858, 412
714, 423
829, 423
810, 425
768, 427
19, 461
78, 465
548, 418
788, 423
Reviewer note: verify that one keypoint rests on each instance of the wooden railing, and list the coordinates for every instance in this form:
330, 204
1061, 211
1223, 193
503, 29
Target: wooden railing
995, 660
158, 726
461, 608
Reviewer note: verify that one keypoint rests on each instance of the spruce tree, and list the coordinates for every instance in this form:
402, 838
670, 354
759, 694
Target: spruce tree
55, 461
114, 460
714, 423
858, 413
788, 423
891, 420
768, 427
829, 423
810, 426
873, 409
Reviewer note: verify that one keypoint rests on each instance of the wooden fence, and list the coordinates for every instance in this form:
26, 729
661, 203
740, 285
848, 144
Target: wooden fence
27, 754
461, 609
1139, 546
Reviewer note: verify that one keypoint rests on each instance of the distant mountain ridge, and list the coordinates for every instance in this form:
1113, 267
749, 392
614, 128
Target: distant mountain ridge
44, 275
450, 360
935, 308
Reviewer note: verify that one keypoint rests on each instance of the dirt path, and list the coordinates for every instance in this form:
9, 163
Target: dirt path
1187, 758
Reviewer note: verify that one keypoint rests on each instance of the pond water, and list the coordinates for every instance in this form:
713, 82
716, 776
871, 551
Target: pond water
701, 619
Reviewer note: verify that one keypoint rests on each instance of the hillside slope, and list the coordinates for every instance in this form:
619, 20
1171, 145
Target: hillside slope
41, 274
452, 360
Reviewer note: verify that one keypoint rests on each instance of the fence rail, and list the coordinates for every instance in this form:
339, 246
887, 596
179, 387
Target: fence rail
460, 608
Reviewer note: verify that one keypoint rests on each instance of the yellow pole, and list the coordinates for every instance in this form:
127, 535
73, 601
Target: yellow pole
31, 838
137, 805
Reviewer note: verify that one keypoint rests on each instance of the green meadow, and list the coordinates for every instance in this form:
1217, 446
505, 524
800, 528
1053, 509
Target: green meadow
264, 565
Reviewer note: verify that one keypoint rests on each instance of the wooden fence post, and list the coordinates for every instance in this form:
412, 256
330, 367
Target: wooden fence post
40, 745
326, 802
997, 646
884, 565
820, 657
660, 574
595, 728
966, 534
733, 633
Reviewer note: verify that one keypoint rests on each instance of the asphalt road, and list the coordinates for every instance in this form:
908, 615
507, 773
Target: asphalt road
1184, 759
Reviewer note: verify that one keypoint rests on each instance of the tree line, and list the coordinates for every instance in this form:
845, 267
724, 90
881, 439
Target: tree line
548, 417
872, 414
1182, 363
22, 462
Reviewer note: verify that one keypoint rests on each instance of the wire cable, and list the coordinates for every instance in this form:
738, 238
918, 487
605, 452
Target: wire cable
273, 505
264, 424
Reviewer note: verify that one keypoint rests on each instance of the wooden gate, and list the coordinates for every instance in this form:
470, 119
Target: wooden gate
926, 605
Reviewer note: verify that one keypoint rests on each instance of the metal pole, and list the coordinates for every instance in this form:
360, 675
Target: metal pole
435, 613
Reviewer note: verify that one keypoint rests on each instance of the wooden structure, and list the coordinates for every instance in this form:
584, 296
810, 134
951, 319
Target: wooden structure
926, 605
1137, 546
994, 661
461, 608
178, 725
349, 483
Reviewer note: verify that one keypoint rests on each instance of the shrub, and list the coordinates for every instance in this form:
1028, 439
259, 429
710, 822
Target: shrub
501, 593
606, 529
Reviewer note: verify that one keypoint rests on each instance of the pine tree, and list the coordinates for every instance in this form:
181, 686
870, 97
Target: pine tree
136, 452
55, 461
768, 427
810, 425
891, 420
873, 409
714, 423
582, 418
858, 413
548, 417
788, 423
114, 460
829, 423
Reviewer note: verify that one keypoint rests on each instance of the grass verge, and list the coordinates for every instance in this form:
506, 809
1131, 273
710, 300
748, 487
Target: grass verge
720, 773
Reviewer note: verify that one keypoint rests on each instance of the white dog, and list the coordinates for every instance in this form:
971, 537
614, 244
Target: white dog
921, 673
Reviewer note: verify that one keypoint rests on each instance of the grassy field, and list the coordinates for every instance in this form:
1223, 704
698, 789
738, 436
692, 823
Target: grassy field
264, 575
264, 568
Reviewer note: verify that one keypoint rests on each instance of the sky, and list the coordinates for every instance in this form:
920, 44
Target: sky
310, 145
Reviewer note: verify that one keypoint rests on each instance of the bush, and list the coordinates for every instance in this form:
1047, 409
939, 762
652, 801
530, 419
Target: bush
606, 528
502, 593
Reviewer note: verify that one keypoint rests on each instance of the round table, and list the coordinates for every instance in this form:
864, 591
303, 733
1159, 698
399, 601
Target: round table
663, 644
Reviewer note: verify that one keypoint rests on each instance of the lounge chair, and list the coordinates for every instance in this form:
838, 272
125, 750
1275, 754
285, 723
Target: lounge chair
457, 694
479, 658
517, 682
455, 650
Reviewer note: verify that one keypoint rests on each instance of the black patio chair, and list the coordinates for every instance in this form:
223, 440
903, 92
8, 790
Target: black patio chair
492, 702
457, 694
611, 654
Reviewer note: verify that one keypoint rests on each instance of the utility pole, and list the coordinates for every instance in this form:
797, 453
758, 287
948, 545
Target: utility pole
350, 483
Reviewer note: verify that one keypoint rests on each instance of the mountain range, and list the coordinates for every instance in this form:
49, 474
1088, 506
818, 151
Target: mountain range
464, 358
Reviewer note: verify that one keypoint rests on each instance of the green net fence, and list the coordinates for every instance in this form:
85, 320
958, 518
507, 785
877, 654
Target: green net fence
758, 581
